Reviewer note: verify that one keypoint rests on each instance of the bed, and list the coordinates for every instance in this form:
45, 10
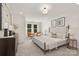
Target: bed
47, 43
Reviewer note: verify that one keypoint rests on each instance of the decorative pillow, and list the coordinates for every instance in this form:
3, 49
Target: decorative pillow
54, 35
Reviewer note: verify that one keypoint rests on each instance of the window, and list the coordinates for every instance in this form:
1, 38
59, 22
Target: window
32, 28
29, 30
35, 28
29, 27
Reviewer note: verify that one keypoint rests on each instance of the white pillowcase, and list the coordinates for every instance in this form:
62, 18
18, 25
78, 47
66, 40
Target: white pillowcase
60, 35
53, 35
49, 34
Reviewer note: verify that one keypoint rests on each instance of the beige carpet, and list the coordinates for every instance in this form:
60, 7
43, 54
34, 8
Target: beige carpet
27, 48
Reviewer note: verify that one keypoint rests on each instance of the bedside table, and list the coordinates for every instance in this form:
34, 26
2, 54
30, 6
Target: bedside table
72, 44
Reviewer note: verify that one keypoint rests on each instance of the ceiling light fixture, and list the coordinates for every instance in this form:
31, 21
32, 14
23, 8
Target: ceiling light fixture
45, 9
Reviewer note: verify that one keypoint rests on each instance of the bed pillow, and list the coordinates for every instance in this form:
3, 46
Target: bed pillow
49, 34
60, 35
53, 35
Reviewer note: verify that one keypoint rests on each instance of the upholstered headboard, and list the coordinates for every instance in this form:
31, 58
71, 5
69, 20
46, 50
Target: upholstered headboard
59, 31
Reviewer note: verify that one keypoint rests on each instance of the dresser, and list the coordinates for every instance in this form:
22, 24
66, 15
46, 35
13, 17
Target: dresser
7, 46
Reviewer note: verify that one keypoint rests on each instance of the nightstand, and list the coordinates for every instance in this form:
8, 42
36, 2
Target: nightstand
72, 44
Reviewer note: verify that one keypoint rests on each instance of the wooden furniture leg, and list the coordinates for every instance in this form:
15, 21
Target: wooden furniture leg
44, 48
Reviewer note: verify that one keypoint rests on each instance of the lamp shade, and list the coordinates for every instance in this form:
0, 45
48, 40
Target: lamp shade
10, 27
71, 34
5, 25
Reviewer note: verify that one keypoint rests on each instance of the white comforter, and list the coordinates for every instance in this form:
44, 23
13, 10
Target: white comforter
50, 42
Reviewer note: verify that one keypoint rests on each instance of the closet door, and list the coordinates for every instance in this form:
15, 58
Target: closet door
0, 16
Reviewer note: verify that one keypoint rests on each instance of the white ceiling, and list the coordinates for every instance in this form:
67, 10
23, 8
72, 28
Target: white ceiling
33, 9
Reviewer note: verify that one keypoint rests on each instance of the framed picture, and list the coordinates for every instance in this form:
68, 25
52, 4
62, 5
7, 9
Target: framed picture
59, 22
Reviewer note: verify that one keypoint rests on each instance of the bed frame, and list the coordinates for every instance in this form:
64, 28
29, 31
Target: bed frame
46, 50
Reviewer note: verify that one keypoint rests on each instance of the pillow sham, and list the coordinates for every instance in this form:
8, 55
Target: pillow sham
60, 35
53, 35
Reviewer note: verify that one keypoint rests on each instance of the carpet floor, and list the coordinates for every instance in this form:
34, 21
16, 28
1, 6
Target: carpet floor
28, 48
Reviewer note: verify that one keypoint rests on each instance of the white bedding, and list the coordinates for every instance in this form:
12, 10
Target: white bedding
50, 42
